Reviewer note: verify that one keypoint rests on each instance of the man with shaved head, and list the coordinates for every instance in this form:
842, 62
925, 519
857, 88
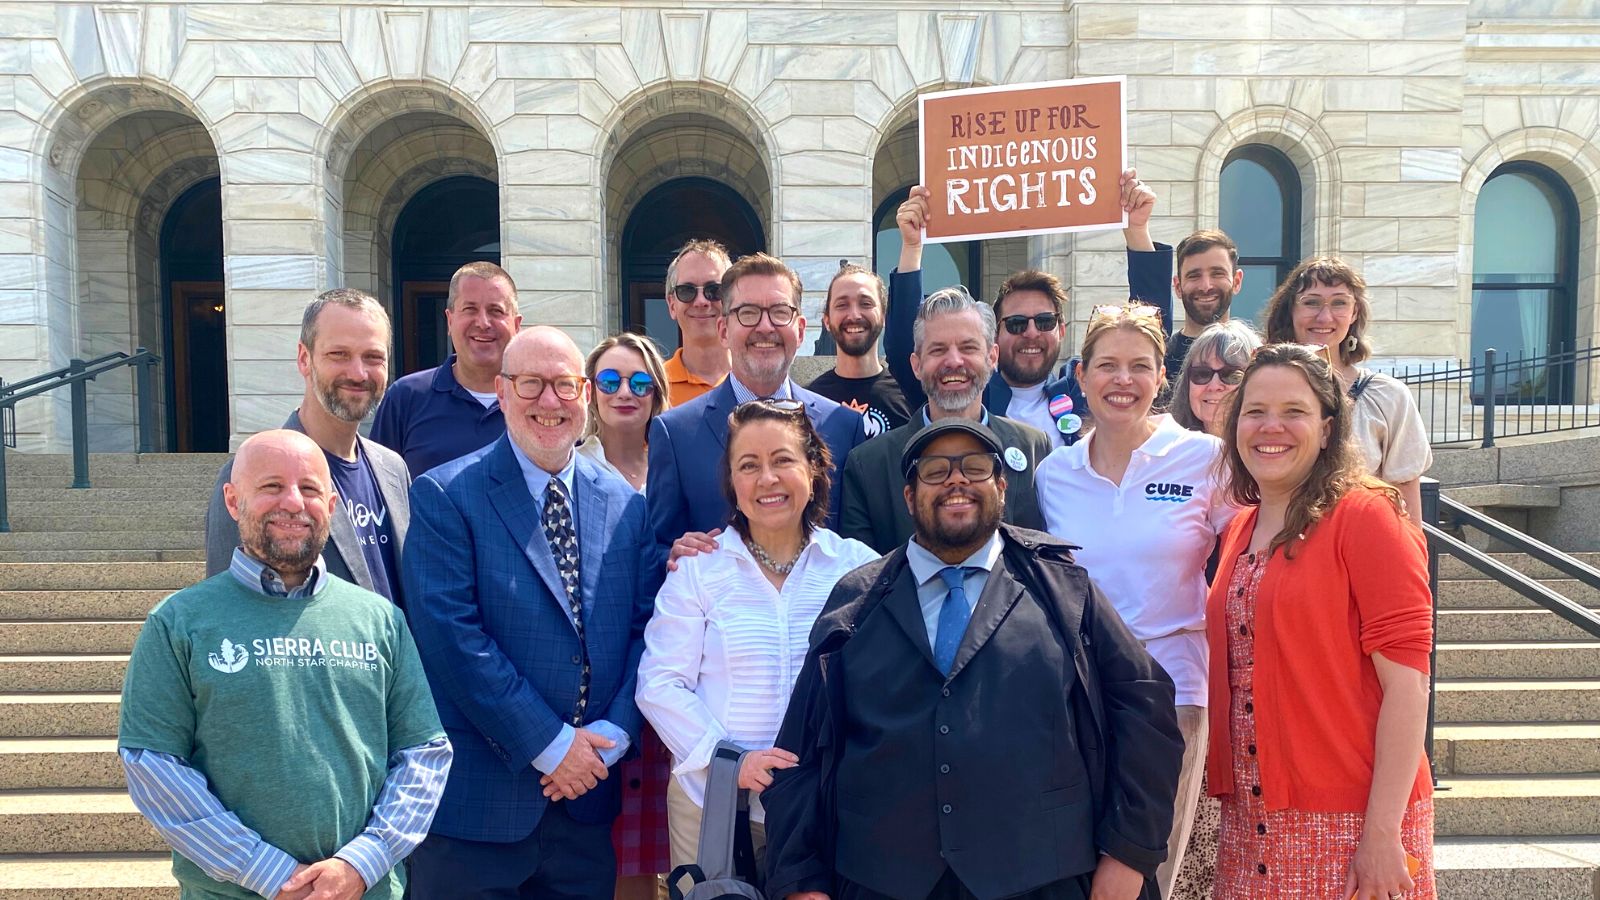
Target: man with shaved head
529, 580
277, 728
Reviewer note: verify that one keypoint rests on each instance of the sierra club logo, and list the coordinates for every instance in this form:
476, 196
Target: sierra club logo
230, 657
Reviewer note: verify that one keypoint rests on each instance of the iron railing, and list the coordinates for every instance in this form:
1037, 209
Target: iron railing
76, 376
1440, 513
1506, 395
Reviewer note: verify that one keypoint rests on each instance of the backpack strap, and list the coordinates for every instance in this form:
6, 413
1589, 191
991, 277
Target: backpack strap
721, 813
1359, 386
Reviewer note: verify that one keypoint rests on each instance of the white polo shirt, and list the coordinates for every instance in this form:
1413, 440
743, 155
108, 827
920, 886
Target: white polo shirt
1146, 541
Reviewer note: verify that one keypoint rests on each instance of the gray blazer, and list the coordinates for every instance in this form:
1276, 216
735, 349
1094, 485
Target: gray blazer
342, 555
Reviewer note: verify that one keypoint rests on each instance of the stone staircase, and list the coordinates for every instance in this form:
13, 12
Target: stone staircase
1517, 746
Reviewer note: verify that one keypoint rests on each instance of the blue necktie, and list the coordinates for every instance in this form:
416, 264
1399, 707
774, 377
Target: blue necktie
953, 617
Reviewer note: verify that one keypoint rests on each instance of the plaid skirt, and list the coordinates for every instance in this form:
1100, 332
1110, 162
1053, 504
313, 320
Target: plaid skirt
639, 835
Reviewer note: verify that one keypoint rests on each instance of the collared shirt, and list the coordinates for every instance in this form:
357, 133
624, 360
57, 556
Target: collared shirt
745, 395
682, 384
429, 418
724, 648
1145, 542
538, 481
1030, 406
983, 416
931, 590
259, 577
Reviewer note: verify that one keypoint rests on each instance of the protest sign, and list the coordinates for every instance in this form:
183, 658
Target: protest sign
1023, 158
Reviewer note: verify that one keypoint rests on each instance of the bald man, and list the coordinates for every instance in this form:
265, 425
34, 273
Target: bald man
528, 578
277, 728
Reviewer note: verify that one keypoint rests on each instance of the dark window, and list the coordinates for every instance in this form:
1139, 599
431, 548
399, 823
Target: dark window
943, 265
1523, 275
1261, 212
446, 225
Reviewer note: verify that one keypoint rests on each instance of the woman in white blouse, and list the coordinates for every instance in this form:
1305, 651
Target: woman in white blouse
731, 627
1141, 499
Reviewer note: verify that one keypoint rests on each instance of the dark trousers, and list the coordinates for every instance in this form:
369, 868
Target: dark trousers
949, 887
561, 859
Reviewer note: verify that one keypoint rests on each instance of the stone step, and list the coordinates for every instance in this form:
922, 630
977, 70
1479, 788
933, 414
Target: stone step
104, 540
89, 636
1520, 660
119, 521
1482, 700
176, 482
90, 506
1519, 624
82, 821
1453, 569
1484, 594
100, 556
169, 576
144, 491
88, 876
1497, 868
47, 763
1526, 805
1536, 749
115, 463
81, 673
87, 714
42, 605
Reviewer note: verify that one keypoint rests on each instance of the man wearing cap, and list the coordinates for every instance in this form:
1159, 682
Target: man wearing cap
954, 354
1007, 735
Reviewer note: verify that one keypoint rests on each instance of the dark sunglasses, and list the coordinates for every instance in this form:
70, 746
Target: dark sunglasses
686, 292
609, 381
1202, 375
1045, 321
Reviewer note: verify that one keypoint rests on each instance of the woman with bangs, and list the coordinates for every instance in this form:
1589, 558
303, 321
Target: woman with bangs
1139, 496
1320, 624
1324, 302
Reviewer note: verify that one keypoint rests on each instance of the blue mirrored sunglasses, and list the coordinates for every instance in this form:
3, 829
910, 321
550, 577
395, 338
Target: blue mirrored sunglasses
609, 381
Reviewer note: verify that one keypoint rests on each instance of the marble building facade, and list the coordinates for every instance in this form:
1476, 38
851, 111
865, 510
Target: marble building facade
321, 120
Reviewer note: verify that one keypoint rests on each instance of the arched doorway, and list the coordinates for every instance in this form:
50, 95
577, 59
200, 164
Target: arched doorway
195, 331
446, 225
666, 218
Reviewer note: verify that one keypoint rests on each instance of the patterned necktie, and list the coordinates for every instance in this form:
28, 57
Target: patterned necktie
563, 540
953, 616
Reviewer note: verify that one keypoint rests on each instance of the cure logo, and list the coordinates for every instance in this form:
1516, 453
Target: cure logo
1172, 493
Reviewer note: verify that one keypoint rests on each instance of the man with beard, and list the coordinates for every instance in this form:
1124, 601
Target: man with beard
955, 353
973, 719
761, 327
532, 581
343, 356
694, 292
277, 728
854, 317
439, 414
1208, 278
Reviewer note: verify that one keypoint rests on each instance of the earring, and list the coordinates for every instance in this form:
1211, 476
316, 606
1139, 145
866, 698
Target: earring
1350, 344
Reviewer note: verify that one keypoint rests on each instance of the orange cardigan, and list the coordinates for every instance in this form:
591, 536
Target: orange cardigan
1357, 585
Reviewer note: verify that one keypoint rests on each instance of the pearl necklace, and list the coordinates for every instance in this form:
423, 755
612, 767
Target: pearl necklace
765, 559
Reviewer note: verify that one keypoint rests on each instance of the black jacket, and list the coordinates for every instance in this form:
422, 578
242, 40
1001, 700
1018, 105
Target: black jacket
997, 771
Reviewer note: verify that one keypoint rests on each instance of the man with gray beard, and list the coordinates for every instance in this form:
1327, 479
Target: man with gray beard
954, 353
343, 355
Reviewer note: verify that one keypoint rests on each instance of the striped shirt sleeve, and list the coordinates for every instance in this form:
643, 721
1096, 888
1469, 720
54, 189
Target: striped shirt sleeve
403, 811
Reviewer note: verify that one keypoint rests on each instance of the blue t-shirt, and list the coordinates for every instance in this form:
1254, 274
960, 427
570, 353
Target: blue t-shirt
430, 419
361, 500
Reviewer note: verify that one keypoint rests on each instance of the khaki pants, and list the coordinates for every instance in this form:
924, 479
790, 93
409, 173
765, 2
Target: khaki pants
683, 828
1194, 724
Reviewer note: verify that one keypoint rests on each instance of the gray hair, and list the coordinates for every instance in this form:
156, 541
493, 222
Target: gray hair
349, 298
948, 301
1233, 342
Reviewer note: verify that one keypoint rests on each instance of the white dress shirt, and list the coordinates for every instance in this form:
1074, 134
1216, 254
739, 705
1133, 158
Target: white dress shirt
724, 647
1145, 542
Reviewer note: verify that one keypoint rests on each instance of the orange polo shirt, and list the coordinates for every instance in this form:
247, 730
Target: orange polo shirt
1357, 585
683, 385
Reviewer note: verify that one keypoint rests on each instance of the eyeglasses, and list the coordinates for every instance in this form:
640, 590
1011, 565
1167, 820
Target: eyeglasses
935, 470
531, 387
1131, 310
1340, 305
779, 314
1202, 375
686, 292
778, 404
609, 381
1045, 321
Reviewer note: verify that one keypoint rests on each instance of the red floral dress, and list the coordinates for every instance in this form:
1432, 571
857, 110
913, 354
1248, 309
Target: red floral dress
639, 834
1276, 854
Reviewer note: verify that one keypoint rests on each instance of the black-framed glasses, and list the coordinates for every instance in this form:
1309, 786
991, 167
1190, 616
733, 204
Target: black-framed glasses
685, 293
531, 387
779, 314
1202, 375
1045, 321
609, 381
935, 470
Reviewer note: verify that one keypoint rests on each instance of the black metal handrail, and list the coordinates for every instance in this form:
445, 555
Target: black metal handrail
1475, 401
76, 376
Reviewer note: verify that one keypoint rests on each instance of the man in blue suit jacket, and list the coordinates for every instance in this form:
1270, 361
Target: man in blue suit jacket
762, 328
530, 578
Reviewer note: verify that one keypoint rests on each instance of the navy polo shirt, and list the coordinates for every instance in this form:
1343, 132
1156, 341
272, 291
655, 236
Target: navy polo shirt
430, 419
